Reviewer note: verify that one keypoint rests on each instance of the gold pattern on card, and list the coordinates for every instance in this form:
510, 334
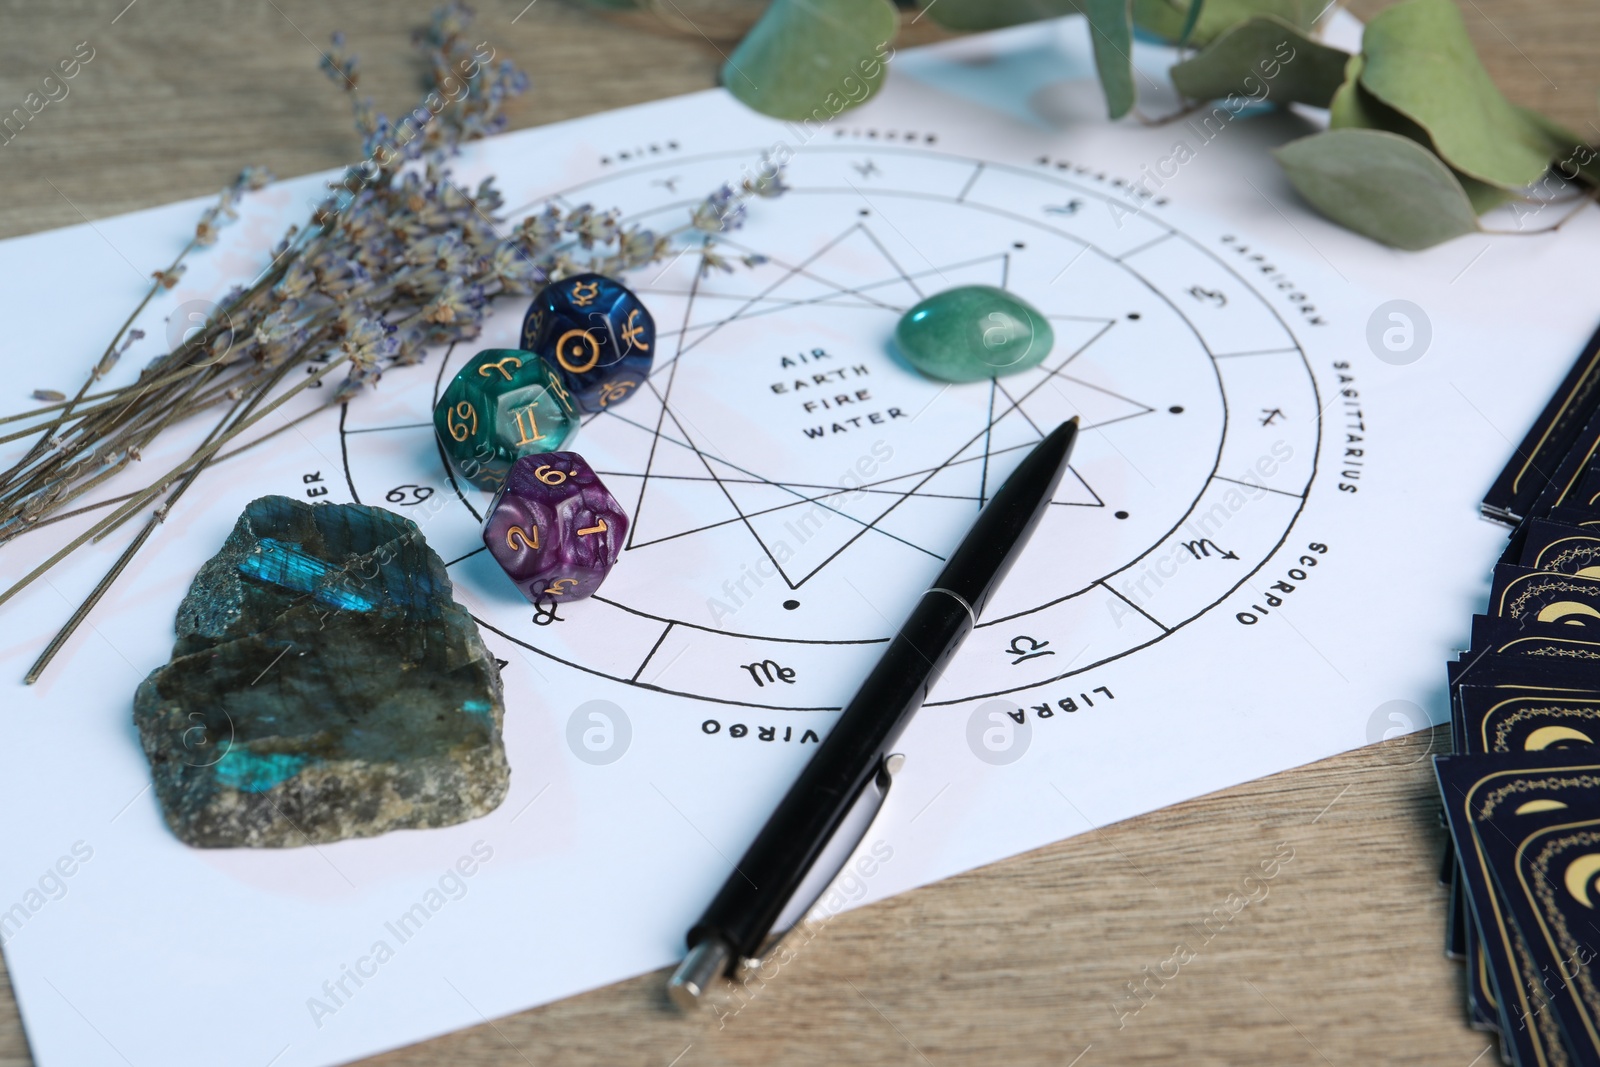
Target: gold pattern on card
1545, 736
1563, 610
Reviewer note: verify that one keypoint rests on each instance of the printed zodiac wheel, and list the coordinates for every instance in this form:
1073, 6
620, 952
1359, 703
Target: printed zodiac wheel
794, 485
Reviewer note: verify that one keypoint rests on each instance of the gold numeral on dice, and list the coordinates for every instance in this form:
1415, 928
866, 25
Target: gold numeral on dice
548, 476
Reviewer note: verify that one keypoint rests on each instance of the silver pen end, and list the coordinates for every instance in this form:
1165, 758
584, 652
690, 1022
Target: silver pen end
701, 969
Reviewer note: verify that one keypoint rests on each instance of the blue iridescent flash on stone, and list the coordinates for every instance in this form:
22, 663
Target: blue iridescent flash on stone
325, 684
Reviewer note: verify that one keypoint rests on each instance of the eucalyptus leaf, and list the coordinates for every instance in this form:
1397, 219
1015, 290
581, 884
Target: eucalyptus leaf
1162, 19
1355, 108
1168, 18
1571, 158
969, 16
1190, 21
1481, 195
1419, 61
812, 59
1111, 34
1350, 106
1381, 185
1263, 58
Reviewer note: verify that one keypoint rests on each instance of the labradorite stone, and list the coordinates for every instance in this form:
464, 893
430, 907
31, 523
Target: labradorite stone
973, 332
325, 684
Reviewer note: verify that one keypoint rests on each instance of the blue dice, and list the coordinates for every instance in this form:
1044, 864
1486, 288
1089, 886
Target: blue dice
596, 335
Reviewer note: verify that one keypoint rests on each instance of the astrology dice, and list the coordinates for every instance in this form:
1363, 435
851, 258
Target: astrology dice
596, 334
503, 404
554, 529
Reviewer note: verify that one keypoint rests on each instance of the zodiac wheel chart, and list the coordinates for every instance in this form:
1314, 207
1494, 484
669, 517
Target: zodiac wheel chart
794, 485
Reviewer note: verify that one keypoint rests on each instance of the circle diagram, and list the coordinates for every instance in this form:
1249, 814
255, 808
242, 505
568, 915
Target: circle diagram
794, 485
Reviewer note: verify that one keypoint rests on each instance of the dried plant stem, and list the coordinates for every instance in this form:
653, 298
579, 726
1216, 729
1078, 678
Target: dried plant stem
269, 435
111, 398
89, 602
168, 397
74, 513
64, 496
1584, 201
220, 457
49, 486
176, 411
62, 489
127, 441
241, 410
94, 428
70, 627
159, 376
144, 496
102, 365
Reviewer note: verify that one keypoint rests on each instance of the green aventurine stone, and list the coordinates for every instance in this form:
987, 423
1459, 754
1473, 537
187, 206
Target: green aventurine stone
325, 685
973, 332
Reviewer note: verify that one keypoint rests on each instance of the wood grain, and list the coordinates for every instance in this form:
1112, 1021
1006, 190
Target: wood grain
1021, 962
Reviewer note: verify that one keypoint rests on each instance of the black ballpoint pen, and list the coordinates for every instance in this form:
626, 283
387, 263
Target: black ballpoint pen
784, 858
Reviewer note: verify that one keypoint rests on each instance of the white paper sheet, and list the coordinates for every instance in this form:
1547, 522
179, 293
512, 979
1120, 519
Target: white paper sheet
987, 160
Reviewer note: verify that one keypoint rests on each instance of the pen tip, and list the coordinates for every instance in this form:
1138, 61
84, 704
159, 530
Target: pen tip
1062, 438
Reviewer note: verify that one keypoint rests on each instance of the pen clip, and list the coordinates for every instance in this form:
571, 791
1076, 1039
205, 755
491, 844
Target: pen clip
853, 829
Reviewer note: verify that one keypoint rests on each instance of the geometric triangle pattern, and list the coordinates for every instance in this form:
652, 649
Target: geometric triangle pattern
797, 524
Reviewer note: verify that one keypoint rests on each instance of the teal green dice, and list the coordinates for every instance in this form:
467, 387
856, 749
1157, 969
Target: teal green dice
504, 404
972, 333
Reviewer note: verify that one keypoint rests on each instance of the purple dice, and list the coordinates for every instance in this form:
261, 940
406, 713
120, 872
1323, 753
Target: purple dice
553, 527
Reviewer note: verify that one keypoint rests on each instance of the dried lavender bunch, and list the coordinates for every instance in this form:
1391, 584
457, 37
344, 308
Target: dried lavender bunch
397, 259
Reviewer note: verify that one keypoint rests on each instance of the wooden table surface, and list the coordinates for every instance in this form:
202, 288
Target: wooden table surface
1021, 962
